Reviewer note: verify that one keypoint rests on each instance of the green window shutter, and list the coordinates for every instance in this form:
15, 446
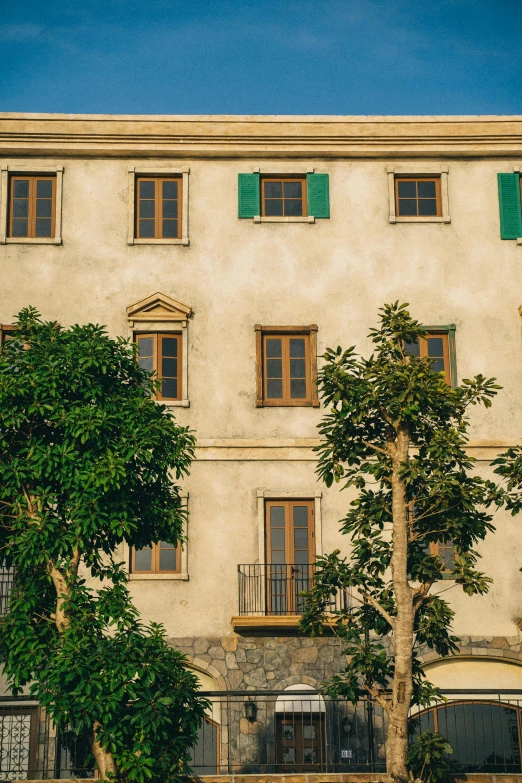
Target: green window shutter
248, 195
318, 195
509, 201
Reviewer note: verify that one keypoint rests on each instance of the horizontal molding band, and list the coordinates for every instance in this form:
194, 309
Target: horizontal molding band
301, 449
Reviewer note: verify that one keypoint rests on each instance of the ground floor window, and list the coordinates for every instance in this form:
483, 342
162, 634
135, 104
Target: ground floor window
18, 743
485, 735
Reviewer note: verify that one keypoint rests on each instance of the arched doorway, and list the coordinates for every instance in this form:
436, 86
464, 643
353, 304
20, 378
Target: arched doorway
204, 757
300, 730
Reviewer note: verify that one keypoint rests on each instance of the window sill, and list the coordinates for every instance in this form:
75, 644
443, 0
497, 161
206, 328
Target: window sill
306, 219
183, 241
160, 577
519, 241
308, 404
175, 403
33, 240
420, 220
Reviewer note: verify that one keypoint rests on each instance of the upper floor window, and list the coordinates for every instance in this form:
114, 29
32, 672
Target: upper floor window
439, 346
286, 366
158, 207
32, 206
418, 194
160, 558
6, 331
283, 197
445, 554
272, 196
417, 197
161, 353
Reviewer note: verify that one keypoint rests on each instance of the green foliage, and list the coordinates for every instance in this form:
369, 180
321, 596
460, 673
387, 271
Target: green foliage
87, 463
370, 401
428, 758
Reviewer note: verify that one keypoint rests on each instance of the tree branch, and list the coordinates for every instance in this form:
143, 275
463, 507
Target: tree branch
383, 701
373, 446
376, 605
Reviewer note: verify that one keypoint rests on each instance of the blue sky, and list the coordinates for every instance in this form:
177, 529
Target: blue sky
261, 56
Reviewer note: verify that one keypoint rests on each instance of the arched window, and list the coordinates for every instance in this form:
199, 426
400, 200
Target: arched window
485, 735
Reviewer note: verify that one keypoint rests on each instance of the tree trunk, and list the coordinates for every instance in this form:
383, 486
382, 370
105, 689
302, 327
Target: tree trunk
397, 748
104, 759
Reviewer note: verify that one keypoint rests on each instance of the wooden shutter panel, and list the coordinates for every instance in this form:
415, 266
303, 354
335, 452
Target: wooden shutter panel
318, 195
509, 201
248, 195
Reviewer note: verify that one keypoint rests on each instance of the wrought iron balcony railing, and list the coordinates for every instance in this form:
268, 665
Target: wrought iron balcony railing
273, 590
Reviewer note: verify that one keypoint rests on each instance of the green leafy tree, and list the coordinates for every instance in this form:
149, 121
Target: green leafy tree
396, 432
88, 461
428, 758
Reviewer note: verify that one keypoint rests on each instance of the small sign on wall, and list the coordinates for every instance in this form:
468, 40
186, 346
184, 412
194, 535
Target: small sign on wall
346, 754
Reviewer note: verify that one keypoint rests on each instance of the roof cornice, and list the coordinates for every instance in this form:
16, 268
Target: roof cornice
199, 136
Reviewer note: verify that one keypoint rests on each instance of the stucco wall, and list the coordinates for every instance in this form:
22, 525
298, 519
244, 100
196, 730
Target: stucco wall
335, 273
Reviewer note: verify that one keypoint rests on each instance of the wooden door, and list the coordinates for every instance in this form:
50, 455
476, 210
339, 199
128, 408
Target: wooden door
300, 742
290, 549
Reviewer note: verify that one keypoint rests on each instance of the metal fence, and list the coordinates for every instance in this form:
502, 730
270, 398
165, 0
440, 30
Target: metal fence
31, 747
292, 731
6, 585
284, 732
483, 727
276, 589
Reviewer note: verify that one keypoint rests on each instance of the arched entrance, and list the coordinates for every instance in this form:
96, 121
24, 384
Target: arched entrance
300, 730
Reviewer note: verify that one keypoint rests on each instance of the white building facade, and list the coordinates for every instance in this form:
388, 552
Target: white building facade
235, 250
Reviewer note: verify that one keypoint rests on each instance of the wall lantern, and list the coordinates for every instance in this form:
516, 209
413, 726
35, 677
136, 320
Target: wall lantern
250, 710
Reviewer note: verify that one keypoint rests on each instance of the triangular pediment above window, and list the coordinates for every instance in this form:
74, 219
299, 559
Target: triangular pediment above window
158, 307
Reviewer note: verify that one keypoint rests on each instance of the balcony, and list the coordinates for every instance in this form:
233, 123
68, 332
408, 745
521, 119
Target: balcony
271, 595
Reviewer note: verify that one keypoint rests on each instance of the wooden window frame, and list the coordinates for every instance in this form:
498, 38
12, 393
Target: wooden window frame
450, 358
435, 547
155, 562
282, 179
158, 205
181, 574
7, 173
264, 495
312, 399
158, 338
289, 577
158, 172
288, 505
33, 179
419, 172
5, 331
417, 179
